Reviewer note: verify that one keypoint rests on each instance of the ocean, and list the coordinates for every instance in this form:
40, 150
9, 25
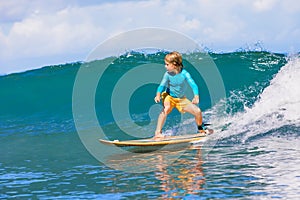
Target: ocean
51, 120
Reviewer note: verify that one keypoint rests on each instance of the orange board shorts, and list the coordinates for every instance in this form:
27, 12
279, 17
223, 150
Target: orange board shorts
179, 103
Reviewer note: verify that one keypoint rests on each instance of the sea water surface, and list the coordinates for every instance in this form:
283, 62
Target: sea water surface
255, 152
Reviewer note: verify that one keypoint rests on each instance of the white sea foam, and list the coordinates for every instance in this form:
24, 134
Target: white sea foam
278, 105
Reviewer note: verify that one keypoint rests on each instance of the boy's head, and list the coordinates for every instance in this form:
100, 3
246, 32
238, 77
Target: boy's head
175, 58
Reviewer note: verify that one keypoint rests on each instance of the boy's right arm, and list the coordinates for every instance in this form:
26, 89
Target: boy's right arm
161, 88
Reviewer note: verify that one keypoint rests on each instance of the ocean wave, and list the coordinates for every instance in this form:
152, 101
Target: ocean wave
45, 94
277, 106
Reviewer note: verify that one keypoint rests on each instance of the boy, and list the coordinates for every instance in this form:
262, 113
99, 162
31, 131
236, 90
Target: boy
174, 81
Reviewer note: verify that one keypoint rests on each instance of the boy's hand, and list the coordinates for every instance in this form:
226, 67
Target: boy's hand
195, 99
157, 98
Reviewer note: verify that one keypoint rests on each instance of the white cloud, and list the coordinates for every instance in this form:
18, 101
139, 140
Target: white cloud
264, 5
42, 29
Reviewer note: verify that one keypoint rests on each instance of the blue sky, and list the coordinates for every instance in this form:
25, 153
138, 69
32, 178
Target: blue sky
35, 33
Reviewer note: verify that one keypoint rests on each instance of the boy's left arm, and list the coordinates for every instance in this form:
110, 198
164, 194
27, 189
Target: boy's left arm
194, 87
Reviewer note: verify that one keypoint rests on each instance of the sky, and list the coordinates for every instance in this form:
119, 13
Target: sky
36, 33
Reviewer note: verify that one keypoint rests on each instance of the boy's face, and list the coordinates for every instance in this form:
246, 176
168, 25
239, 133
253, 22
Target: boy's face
169, 67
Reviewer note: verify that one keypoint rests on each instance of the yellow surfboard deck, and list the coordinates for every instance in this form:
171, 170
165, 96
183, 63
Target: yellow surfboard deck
168, 140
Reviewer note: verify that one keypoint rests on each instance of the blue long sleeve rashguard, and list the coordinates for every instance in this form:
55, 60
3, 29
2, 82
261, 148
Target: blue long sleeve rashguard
175, 84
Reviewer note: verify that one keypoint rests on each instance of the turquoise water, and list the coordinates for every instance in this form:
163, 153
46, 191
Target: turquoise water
255, 152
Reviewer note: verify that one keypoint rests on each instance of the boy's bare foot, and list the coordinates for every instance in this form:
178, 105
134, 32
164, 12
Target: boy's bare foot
158, 135
205, 132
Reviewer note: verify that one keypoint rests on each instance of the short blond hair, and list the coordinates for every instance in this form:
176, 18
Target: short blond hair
175, 58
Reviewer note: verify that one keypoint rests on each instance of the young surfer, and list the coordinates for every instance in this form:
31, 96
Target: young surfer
172, 92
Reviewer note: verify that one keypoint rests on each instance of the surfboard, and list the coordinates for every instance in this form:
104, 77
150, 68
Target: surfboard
168, 140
